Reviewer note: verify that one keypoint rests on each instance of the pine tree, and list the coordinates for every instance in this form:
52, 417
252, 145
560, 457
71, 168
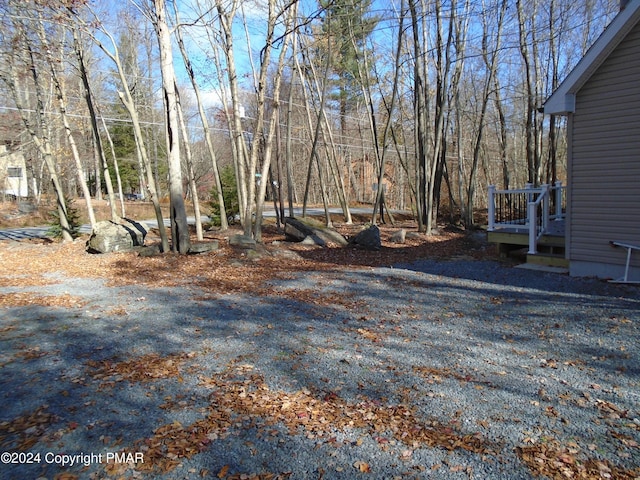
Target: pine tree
350, 25
73, 217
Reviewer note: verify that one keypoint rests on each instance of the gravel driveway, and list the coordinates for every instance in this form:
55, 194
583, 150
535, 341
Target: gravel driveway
436, 369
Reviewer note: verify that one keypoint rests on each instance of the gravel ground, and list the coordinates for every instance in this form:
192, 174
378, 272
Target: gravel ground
492, 364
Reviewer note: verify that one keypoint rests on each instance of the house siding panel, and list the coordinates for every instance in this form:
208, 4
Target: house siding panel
605, 161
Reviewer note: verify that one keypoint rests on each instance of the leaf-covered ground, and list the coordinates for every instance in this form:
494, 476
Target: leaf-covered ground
309, 362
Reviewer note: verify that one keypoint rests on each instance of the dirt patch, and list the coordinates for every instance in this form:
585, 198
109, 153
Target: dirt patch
228, 269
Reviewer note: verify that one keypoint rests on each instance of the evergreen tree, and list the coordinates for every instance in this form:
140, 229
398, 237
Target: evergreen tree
56, 229
230, 195
347, 24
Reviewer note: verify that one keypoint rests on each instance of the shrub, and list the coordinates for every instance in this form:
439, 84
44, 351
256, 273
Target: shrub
73, 217
229, 194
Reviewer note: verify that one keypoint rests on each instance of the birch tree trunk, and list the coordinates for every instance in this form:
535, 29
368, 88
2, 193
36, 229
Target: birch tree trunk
180, 241
116, 168
225, 18
94, 127
224, 225
141, 150
316, 133
62, 105
273, 124
40, 140
192, 179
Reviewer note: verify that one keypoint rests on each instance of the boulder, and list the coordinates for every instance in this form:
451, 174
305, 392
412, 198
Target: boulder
368, 239
311, 232
295, 230
137, 230
311, 240
399, 236
242, 241
108, 236
150, 250
203, 247
27, 207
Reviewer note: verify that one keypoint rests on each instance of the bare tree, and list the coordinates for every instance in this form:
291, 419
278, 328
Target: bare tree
205, 122
62, 102
79, 51
490, 60
528, 50
127, 100
38, 130
179, 226
287, 12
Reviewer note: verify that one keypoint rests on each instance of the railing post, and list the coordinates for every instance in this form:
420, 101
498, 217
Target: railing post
558, 200
533, 234
529, 186
545, 207
492, 208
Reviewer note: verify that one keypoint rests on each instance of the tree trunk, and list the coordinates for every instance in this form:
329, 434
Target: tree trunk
116, 168
273, 123
127, 101
379, 201
41, 142
288, 152
239, 149
421, 114
179, 226
491, 64
60, 94
192, 179
224, 225
102, 160
316, 134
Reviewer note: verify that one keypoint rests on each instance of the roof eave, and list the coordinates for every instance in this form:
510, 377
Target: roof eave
562, 101
560, 104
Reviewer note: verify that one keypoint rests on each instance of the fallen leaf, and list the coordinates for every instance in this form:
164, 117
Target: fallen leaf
223, 471
362, 466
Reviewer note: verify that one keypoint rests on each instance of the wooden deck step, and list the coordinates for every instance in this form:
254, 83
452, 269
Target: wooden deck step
522, 238
548, 259
552, 241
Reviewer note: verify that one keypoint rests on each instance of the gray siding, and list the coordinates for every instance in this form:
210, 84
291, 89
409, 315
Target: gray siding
604, 168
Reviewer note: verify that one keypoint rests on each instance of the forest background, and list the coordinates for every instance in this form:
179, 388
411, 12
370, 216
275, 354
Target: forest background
406, 104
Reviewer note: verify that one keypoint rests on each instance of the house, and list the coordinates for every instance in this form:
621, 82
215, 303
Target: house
13, 169
13, 173
601, 99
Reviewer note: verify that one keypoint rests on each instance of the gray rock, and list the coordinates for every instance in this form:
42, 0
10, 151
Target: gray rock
295, 230
27, 207
203, 247
300, 230
242, 241
399, 236
310, 240
137, 230
109, 237
150, 250
368, 239
285, 253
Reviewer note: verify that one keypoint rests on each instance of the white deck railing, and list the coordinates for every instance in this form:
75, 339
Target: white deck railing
526, 210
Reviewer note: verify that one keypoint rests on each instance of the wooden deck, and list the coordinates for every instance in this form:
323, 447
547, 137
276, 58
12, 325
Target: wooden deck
551, 245
529, 221
519, 234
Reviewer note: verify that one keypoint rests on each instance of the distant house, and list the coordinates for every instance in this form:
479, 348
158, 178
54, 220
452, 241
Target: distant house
601, 99
13, 173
